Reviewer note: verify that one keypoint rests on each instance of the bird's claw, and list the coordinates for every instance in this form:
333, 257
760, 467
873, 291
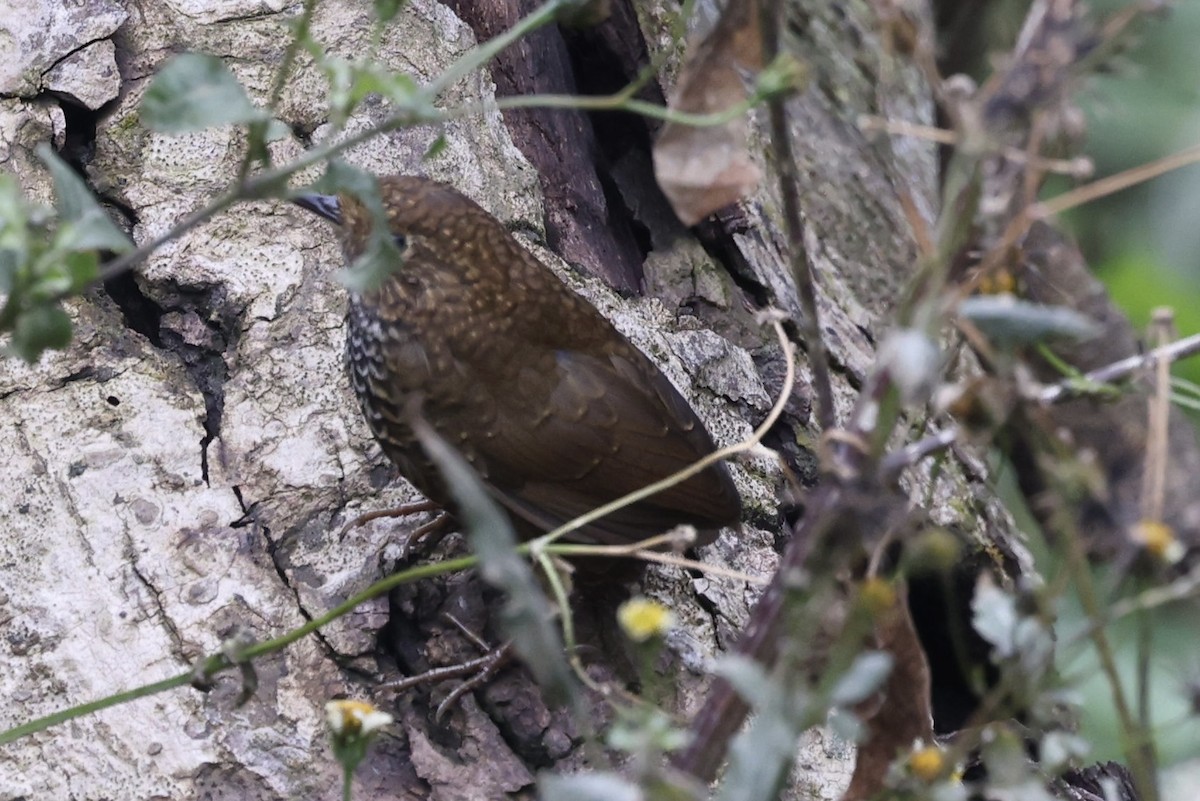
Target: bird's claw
477, 671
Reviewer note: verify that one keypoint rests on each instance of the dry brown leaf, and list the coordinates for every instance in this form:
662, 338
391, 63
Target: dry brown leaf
703, 169
904, 713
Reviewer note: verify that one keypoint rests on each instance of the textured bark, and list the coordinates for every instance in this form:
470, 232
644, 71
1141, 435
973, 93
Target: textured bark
183, 470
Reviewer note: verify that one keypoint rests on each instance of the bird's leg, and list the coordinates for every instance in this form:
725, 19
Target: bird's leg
426, 535
479, 670
403, 510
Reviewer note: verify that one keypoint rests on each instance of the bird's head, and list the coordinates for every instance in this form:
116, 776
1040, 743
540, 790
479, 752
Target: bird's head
417, 210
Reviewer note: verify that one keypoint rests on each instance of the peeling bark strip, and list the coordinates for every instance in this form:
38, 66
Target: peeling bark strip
586, 221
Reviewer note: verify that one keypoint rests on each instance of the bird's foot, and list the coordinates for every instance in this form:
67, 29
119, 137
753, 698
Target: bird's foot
478, 670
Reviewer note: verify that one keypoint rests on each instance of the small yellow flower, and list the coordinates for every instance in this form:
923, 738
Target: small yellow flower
349, 718
926, 762
999, 282
641, 618
877, 596
1159, 540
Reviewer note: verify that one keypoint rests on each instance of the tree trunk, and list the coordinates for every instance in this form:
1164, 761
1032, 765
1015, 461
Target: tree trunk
182, 472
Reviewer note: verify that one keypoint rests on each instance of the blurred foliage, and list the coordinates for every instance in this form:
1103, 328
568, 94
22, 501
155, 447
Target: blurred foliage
1144, 242
46, 256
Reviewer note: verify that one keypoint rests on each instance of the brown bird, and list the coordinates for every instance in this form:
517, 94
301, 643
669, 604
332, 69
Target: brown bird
552, 406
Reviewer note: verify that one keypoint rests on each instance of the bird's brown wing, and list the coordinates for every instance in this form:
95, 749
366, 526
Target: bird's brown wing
613, 424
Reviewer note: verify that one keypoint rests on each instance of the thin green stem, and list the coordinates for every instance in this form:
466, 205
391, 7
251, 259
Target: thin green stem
256, 132
478, 56
420, 112
1137, 749
246, 187
62, 716
217, 663
303, 24
1145, 642
785, 393
374, 591
560, 596
620, 102
255, 186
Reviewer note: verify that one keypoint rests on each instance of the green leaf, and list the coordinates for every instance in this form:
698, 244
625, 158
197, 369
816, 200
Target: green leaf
400, 90
380, 258
783, 76
341, 77
1060, 749
193, 92
526, 616
59, 272
995, 617
649, 731
277, 130
83, 269
866, 675
38, 329
341, 177
587, 787
749, 680
845, 724
385, 10
94, 232
1008, 765
1009, 322
85, 225
436, 147
761, 755
14, 219
14, 233
9, 262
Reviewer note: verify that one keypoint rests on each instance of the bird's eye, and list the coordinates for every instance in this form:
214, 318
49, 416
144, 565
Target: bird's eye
400, 240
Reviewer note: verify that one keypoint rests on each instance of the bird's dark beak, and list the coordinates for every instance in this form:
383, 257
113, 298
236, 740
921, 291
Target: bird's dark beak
326, 206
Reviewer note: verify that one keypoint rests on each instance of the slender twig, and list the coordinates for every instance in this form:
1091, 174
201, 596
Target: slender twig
1138, 755
1179, 349
619, 102
123, 263
253, 187
1154, 478
477, 56
642, 552
420, 112
303, 23
492, 663
724, 710
1113, 183
914, 452
1064, 390
1080, 167
404, 510
437, 674
1181, 589
800, 258
256, 132
1153, 501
